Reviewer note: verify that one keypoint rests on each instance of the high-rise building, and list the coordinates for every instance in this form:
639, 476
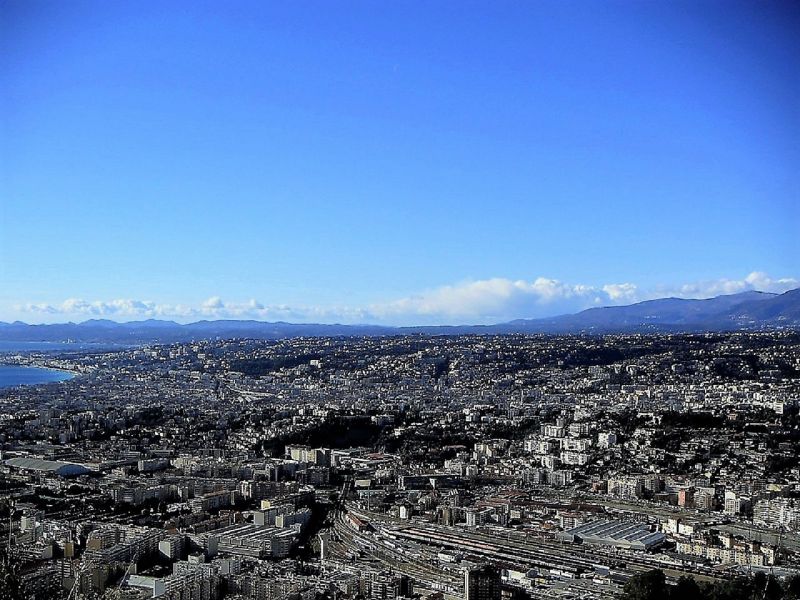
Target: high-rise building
482, 583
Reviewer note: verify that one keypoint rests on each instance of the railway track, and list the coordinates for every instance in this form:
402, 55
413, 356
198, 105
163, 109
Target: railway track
568, 559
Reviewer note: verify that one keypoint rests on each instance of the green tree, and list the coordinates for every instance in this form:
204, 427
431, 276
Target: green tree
740, 588
765, 587
793, 588
773, 590
686, 589
759, 585
650, 585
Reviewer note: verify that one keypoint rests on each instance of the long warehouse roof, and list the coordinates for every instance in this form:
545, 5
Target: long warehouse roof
65, 469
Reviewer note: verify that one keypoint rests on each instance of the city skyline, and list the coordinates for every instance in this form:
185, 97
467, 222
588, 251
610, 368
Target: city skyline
399, 165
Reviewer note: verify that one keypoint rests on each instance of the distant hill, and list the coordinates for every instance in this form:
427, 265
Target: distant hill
748, 310
745, 311
143, 332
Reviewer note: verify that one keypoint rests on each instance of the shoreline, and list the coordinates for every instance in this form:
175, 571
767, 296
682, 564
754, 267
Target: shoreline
44, 366
67, 374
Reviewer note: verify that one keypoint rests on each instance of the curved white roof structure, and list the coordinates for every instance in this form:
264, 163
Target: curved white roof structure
62, 469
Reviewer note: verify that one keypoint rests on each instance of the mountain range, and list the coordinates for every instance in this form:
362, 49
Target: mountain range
745, 311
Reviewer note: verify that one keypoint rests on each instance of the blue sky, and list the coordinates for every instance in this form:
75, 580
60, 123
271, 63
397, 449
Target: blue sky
405, 162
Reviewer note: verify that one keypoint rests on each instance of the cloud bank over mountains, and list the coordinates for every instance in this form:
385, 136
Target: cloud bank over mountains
475, 302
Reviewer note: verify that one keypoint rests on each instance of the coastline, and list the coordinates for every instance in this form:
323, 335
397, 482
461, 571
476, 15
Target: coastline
50, 374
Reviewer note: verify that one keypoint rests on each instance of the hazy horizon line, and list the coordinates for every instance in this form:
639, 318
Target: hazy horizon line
476, 302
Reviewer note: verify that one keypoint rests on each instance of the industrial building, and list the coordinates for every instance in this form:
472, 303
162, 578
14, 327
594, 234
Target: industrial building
621, 534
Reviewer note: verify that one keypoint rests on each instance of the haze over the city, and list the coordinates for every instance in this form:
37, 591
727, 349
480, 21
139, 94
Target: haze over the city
394, 163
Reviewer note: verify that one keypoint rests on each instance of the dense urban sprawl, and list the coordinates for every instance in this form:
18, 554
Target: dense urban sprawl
434, 467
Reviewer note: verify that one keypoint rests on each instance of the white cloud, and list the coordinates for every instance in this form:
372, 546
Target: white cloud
109, 309
491, 300
621, 291
213, 304
756, 280
212, 308
480, 301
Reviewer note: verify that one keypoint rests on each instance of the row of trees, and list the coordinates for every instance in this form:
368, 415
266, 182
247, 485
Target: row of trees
652, 585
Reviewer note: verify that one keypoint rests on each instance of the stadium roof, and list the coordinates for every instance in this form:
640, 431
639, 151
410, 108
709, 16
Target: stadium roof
63, 469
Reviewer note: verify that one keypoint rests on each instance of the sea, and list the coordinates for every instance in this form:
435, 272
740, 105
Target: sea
16, 347
14, 375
